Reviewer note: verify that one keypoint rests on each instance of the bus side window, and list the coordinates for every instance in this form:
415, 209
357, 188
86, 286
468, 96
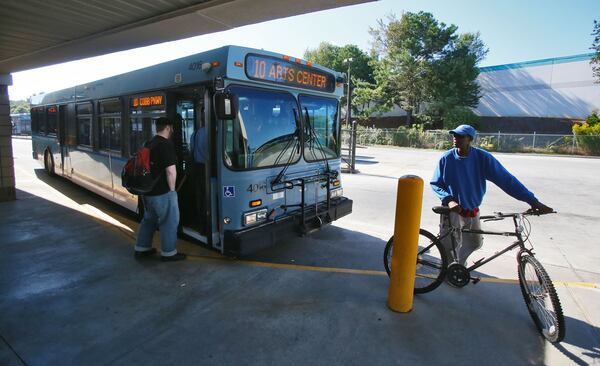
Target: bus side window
51, 120
136, 135
84, 124
110, 124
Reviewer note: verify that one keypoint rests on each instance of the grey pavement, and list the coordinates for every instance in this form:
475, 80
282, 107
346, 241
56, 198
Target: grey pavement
72, 294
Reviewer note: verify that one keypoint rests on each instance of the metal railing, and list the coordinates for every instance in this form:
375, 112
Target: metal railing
500, 142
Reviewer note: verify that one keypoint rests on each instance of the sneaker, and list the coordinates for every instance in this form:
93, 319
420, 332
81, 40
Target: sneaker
173, 258
145, 253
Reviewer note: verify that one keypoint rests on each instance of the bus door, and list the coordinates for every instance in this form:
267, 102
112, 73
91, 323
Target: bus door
188, 119
63, 141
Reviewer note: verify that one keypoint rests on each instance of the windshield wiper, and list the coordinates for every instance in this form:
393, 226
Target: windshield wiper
315, 137
296, 144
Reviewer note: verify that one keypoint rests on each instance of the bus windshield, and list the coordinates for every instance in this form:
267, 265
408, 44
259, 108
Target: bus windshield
265, 131
321, 138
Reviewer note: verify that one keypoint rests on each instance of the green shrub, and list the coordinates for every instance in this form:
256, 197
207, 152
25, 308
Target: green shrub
487, 142
503, 143
510, 143
400, 137
588, 134
593, 119
443, 145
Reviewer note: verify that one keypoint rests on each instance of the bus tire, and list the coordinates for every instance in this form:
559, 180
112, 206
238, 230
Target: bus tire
49, 163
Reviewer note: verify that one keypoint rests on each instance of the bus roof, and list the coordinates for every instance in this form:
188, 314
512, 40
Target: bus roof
171, 74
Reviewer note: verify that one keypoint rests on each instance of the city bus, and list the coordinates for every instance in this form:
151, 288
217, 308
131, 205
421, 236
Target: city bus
272, 138
21, 123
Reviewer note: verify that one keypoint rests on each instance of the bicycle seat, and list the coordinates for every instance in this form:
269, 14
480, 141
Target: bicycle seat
441, 210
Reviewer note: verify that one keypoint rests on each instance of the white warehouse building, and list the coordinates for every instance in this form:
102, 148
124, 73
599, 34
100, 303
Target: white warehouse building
559, 89
543, 95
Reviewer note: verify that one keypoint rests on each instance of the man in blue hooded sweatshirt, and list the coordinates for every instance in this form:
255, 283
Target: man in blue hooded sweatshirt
459, 182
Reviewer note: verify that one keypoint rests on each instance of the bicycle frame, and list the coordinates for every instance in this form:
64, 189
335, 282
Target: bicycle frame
484, 260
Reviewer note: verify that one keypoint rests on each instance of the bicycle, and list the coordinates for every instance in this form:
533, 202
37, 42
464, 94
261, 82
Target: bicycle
537, 289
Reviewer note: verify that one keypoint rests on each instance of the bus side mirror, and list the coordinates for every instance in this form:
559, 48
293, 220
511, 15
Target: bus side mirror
224, 106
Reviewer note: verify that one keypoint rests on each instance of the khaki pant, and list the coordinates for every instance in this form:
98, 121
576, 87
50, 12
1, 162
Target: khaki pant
466, 243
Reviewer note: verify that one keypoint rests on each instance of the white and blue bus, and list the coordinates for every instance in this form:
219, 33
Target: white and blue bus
272, 129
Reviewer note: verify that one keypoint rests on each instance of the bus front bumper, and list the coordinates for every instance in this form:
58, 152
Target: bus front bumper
247, 241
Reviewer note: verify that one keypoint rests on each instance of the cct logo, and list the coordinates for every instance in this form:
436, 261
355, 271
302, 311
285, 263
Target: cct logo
228, 191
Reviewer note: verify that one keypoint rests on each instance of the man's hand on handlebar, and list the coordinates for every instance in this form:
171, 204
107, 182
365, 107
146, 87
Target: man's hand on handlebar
539, 208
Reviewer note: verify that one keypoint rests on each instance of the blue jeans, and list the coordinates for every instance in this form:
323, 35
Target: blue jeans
160, 212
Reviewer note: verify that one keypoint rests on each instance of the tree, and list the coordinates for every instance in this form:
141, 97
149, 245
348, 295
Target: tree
331, 56
19, 106
454, 78
366, 100
596, 47
424, 66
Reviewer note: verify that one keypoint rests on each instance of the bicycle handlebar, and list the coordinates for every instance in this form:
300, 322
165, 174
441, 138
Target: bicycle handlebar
501, 216
533, 212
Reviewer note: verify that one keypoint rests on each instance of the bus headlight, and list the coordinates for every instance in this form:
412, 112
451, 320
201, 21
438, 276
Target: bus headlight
254, 217
336, 193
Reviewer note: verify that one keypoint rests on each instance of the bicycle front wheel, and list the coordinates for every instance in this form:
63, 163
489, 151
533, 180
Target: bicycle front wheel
541, 299
431, 262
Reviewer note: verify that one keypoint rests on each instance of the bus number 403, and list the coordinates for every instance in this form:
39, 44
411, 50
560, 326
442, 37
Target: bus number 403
256, 187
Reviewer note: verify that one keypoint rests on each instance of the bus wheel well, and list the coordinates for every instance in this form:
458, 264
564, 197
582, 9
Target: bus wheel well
48, 162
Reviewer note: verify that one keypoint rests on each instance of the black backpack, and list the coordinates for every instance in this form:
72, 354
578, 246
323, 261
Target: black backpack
136, 175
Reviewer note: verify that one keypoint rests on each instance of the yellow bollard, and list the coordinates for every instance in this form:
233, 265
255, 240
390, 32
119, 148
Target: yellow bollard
406, 237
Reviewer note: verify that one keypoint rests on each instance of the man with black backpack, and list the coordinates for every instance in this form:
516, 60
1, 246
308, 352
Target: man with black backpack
161, 210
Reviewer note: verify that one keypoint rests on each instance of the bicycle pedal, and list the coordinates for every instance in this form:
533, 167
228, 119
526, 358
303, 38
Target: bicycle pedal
475, 280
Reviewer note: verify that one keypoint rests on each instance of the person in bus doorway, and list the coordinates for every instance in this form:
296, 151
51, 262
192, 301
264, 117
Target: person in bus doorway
199, 154
161, 210
459, 181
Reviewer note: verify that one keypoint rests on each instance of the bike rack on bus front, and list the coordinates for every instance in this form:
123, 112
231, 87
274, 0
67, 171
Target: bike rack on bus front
301, 182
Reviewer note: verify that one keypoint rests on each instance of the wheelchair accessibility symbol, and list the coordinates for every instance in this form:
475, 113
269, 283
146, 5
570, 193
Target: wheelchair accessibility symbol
228, 191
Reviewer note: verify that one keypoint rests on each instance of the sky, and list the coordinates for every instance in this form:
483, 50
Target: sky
513, 30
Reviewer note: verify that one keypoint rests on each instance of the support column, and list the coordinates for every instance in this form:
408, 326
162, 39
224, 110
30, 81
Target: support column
7, 170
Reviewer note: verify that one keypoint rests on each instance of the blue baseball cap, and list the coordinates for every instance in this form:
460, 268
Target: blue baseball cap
464, 130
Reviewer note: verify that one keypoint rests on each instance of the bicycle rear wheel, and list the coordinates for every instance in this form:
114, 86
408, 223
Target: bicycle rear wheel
431, 262
541, 299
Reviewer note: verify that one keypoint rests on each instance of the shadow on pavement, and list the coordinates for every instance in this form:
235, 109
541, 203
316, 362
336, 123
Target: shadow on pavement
83, 196
332, 246
73, 294
582, 335
365, 162
365, 157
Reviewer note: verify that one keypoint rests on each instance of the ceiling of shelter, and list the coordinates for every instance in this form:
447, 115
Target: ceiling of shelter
37, 33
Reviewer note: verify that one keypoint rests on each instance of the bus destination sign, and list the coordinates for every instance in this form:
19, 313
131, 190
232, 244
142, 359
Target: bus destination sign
149, 101
288, 73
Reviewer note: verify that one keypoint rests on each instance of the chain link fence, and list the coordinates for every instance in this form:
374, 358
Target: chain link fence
501, 142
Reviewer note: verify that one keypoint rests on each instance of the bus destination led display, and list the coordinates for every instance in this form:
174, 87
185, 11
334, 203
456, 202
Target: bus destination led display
147, 101
288, 73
